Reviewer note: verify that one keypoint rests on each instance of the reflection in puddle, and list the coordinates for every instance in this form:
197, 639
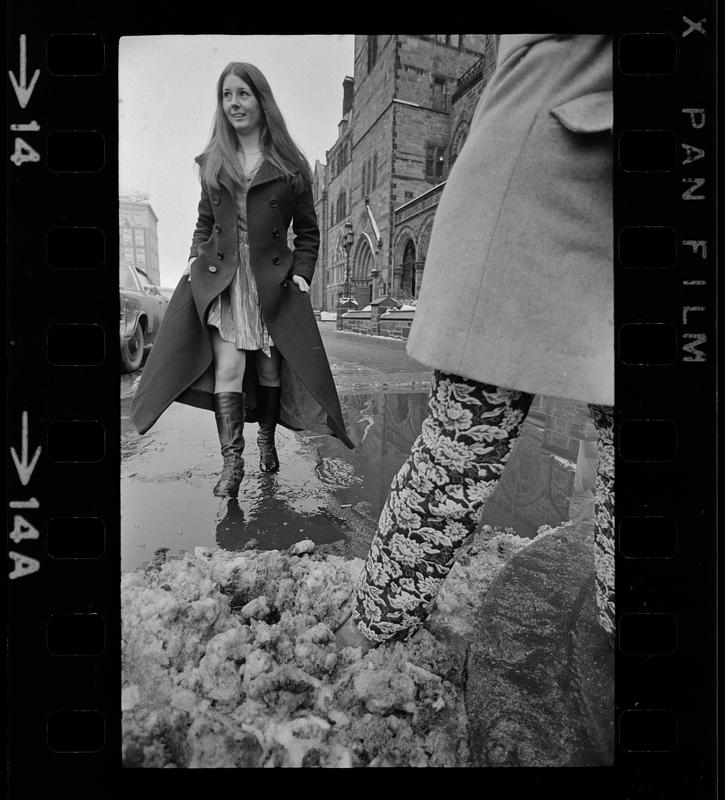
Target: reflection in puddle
167, 502
383, 425
274, 526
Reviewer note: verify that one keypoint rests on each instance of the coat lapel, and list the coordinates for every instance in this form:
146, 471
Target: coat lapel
227, 183
266, 172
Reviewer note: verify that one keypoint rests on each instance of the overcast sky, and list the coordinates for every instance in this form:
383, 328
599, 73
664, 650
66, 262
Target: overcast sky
167, 88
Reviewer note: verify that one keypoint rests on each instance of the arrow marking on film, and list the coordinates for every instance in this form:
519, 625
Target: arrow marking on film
24, 469
22, 90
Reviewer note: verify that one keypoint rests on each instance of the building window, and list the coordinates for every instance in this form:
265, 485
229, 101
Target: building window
372, 51
341, 206
364, 179
435, 160
439, 93
460, 42
375, 170
458, 139
455, 40
440, 163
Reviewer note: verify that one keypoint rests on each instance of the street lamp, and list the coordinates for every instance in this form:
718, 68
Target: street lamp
349, 239
347, 243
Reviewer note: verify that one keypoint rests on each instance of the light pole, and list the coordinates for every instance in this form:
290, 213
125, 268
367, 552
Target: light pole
347, 244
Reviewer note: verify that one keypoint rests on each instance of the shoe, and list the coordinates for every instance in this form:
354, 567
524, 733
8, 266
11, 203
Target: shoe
268, 414
229, 415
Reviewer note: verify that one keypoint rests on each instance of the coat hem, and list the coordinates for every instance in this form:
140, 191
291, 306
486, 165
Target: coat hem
515, 385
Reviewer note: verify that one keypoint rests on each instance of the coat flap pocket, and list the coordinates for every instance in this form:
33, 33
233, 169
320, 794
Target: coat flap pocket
590, 113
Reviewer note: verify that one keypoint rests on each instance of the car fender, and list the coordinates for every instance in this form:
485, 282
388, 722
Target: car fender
128, 324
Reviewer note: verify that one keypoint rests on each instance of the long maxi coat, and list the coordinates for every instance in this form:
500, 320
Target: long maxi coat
180, 367
518, 283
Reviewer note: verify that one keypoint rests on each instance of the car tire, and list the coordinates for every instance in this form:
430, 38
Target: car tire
132, 351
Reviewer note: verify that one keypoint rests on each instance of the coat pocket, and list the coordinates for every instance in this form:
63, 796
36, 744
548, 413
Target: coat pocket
590, 113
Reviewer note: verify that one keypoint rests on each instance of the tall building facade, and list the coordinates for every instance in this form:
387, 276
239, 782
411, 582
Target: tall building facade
138, 234
396, 142
319, 193
413, 219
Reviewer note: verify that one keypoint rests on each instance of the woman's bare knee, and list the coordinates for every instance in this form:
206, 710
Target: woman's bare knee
229, 364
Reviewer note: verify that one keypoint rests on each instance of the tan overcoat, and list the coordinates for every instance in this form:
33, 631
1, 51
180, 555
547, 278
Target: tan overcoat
517, 285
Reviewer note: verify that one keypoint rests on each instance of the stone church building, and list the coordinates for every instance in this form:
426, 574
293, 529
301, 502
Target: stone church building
405, 116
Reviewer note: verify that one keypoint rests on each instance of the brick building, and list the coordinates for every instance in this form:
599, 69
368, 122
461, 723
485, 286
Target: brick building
413, 219
138, 236
399, 132
319, 192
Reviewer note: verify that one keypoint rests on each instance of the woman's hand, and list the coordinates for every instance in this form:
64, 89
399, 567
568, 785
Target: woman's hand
301, 283
187, 271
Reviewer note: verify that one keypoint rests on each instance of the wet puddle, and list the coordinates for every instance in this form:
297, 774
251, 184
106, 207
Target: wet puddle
168, 474
322, 487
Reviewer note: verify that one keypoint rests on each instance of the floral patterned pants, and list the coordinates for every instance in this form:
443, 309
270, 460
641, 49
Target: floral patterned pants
437, 498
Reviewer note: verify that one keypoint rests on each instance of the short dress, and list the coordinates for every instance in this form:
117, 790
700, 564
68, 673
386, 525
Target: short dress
236, 312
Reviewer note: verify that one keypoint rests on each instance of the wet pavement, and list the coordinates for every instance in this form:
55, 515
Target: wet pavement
323, 491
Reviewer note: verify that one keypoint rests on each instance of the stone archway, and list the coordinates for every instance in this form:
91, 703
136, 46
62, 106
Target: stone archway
363, 265
459, 137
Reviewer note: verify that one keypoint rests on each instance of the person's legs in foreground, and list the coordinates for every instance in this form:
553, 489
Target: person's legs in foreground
437, 499
229, 365
268, 396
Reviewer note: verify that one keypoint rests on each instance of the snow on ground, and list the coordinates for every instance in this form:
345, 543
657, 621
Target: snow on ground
229, 660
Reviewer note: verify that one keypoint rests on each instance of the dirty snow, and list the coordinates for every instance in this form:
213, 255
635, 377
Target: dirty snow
229, 660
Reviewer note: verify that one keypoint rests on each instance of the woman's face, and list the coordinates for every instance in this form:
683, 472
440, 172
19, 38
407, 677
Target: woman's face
240, 106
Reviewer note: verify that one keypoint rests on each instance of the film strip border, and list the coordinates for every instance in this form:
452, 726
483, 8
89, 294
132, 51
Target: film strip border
665, 395
63, 413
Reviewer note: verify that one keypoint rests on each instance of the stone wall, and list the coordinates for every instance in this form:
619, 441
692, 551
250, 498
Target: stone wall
396, 324
356, 322
393, 324
420, 63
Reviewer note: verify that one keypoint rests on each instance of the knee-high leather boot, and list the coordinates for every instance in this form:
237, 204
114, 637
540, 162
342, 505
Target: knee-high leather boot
268, 405
229, 414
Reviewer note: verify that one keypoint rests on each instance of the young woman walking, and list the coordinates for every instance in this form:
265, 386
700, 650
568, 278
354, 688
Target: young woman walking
239, 336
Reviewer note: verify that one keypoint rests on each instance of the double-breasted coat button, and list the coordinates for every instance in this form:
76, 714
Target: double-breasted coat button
216, 199
212, 268
273, 203
217, 227
219, 255
275, 233
275, 260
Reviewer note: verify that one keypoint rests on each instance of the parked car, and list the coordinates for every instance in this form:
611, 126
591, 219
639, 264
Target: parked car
142, 308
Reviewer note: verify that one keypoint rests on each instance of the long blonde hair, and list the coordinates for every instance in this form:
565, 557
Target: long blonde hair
278, 147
